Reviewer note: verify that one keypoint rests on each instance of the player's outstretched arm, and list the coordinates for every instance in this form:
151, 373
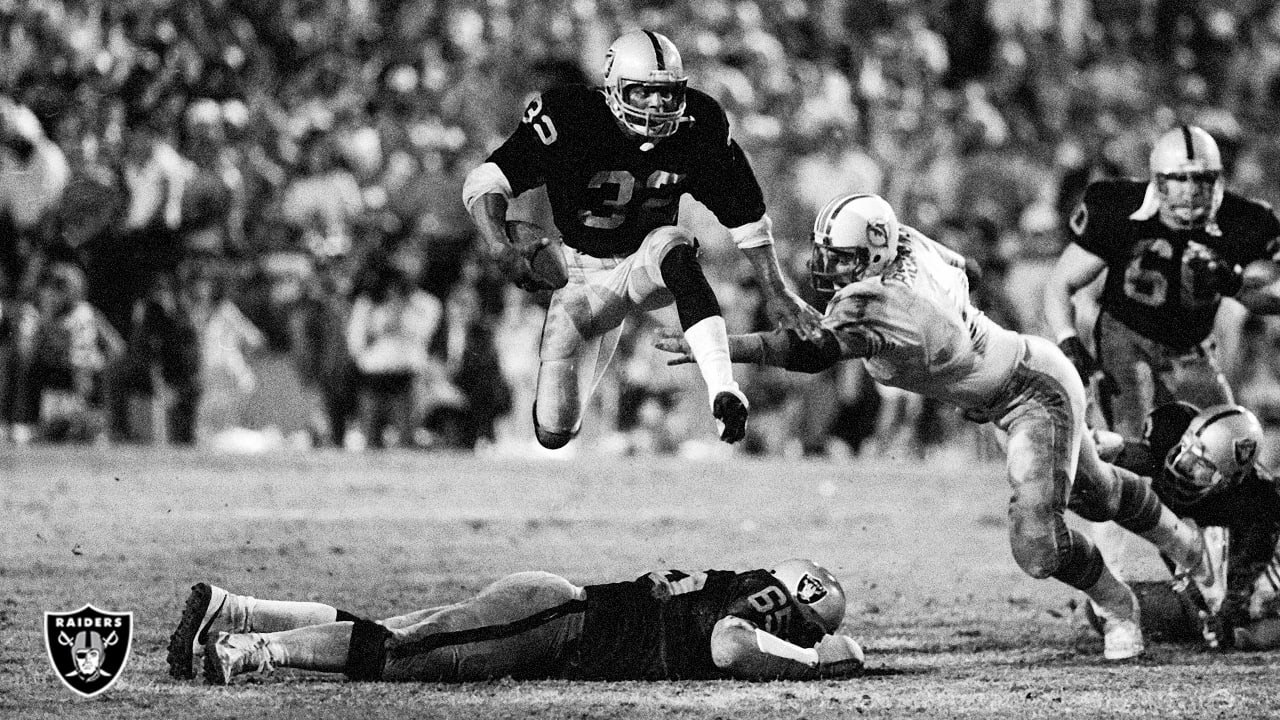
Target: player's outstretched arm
779, 348
749, 653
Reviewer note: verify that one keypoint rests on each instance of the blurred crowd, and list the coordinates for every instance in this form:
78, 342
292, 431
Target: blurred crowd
210, 201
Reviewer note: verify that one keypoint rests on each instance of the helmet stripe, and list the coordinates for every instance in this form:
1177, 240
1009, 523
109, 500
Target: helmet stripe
825, 220
657, 50
1215, 418
1186, 138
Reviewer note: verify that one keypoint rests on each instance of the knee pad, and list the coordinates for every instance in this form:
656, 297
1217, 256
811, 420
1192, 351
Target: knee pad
367, 654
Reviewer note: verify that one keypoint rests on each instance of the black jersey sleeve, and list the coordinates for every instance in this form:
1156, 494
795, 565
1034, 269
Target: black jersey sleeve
727, 184
526, 156
1102, 213
1251, 229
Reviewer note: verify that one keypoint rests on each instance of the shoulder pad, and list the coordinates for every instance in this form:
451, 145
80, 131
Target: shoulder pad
705, 112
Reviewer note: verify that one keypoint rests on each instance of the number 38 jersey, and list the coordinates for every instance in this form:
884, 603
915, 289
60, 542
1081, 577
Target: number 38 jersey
658, 627
1151, 287
607, 193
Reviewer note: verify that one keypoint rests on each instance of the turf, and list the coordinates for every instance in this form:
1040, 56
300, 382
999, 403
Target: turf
951, 626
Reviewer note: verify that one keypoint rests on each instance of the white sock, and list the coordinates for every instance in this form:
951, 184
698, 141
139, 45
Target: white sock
709, 341
276, 615
1176, 539
1111, 596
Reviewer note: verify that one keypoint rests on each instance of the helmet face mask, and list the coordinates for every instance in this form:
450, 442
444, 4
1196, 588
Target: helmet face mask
1215, 453
1186, 174
642, 67
854, 237
815, 590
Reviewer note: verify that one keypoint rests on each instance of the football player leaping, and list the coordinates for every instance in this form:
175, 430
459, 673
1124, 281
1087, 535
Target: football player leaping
615, 162
783, 623
900, 302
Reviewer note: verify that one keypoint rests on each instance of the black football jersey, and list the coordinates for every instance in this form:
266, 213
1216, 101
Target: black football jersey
1250, 511
1150, 287
607, 193
658, 627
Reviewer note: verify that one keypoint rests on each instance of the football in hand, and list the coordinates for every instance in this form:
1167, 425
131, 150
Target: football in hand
549, 269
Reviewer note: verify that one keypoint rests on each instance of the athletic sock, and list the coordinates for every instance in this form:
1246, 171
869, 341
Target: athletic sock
1111, 596
1178, 541
320, 647
709, 342
276, 615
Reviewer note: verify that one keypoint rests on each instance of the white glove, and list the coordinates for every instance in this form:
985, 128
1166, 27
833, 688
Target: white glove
839, 652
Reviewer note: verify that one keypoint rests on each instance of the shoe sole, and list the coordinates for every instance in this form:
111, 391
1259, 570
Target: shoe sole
214, 671
732, 414
196, 618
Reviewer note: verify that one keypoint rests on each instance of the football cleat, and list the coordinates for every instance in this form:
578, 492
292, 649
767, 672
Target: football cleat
551, 439
232, 654
205, 605
1121, 636
729, 408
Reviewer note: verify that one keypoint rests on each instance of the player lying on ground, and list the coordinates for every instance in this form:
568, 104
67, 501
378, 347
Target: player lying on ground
782, 623
1203, 465
900, 302
615, 161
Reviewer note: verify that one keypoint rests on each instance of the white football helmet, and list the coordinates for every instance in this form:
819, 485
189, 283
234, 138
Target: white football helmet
813, 587
1186, 174
651, 60
1216, 451
854, 237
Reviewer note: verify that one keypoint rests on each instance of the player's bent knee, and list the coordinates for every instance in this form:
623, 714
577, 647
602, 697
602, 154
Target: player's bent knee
367, 653
663, 240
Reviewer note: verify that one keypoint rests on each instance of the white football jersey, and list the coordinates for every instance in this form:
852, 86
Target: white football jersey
915, 328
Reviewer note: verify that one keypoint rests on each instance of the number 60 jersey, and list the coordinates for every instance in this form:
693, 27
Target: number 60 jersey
609, 188
1151, 284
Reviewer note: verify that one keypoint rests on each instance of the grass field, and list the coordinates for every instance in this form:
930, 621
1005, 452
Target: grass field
951, 626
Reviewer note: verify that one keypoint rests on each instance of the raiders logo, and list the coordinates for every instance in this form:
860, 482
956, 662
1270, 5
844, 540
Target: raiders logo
810, 590
88, 648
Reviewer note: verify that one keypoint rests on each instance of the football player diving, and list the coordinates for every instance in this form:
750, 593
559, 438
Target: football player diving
783, 623
900, 303
1204, 466
615, 161
1172, 246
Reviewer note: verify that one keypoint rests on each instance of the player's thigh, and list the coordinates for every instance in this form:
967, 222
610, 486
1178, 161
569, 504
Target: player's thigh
518, 626
593, 303
645, 286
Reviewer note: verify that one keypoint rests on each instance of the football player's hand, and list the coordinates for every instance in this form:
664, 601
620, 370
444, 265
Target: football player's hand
1214, 273
1073, 347
839, 653
673, 341
790, 312
512, 260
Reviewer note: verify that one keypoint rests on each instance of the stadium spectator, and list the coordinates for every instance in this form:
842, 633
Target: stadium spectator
227, 339
388, 335
318, 344
322, 203
33, 177
784, 623
162, 363
64, 348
